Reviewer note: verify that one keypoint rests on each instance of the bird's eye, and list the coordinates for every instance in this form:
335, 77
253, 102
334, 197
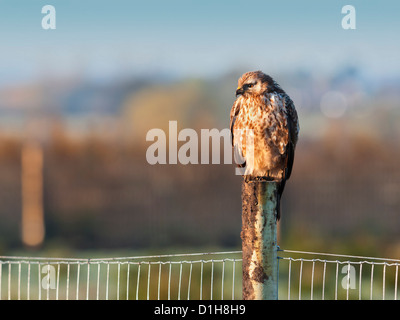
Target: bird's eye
250, 85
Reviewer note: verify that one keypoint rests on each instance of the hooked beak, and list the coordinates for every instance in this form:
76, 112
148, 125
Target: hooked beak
239, 91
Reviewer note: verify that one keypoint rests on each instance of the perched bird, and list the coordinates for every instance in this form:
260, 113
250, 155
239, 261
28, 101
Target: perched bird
262, 106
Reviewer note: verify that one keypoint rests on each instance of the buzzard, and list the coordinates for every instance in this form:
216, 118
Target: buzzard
262, 106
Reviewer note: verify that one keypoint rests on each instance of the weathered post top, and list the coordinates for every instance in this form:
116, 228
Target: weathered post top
259, 240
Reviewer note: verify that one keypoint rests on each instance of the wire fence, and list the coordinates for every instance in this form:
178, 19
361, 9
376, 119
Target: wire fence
196, 276
167, 277
326, 276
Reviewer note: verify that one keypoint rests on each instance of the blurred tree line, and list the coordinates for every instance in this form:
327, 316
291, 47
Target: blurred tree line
99, 191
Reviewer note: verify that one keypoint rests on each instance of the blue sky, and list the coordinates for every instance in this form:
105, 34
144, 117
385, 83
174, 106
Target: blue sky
196, 38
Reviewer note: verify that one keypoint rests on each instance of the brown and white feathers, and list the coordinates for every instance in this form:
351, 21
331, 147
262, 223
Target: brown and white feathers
264, 112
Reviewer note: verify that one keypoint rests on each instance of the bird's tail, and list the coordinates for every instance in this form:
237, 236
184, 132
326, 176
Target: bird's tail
281, 187
278, 207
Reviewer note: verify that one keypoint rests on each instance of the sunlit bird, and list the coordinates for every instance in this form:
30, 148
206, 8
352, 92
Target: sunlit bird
263, 107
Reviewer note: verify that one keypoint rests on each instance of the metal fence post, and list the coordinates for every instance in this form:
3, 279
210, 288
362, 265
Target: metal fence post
259, 240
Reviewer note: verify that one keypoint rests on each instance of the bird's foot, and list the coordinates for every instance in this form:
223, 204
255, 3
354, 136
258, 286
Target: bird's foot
259, 178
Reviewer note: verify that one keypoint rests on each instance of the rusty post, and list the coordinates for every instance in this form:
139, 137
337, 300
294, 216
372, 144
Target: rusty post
259, 240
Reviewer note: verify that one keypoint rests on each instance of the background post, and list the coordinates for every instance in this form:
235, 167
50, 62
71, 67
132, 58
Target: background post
259, 240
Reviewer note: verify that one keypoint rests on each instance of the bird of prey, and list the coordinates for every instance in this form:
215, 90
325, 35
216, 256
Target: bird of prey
262, 106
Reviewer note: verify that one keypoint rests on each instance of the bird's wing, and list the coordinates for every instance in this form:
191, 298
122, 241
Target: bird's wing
293, 129
239, 159
234, 112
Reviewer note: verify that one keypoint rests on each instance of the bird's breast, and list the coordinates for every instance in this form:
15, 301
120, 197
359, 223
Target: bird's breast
265, 116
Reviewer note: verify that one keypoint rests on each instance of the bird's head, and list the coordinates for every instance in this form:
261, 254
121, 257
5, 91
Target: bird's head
255, 83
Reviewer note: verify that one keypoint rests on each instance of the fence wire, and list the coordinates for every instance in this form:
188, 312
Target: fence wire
196, 276
327, 276
167, 277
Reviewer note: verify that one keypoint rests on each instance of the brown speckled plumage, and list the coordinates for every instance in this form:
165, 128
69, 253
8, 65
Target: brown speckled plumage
263, 107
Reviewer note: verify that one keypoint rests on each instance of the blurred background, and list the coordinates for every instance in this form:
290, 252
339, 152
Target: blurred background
76, 104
